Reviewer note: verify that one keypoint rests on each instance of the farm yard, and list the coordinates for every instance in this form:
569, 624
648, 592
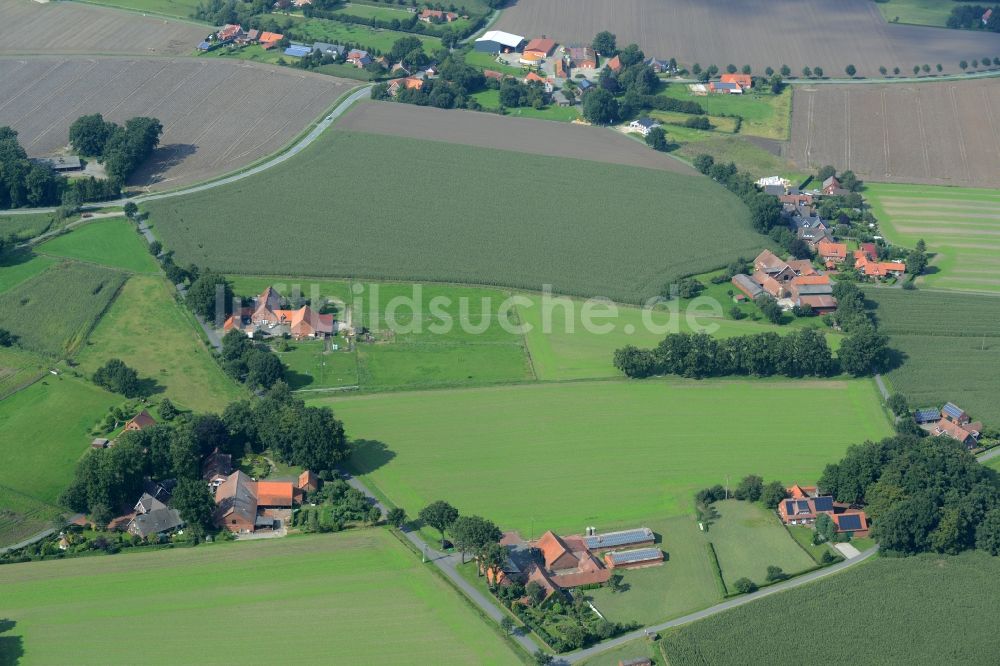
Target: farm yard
895, 611
935, 133
798, 33
73, 28
598, 453
383, 605
613, 230
53, 312
209, 128
950, 344
961, 227
487, 130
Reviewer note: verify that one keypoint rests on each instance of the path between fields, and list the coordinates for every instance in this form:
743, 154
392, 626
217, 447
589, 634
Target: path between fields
448, 565
55, 232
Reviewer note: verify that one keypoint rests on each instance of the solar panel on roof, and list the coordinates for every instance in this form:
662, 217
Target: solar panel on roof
952, 410
623, 538
850, 522
823, 503
629, 556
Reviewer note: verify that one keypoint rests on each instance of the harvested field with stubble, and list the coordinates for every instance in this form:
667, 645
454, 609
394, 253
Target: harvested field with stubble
218, 115
70, 28
934, 133
760, 33
488, 130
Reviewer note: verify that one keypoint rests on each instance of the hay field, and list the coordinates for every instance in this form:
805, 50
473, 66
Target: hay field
960, 225
71, 28
371, 206
525, 135
760, 33
356, 597
935, 133
217, 114
563, 455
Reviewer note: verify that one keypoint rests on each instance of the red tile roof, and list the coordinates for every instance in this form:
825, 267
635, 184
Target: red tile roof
274, 493
540, 45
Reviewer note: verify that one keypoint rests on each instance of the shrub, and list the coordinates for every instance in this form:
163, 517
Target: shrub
745, 586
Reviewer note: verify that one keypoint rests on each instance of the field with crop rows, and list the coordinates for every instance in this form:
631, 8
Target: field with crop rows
961, 227
53, 312
491, 217
760, 33
355, 597
888, 611
950, 345
601, 453
24, 226
935, 133
73, 28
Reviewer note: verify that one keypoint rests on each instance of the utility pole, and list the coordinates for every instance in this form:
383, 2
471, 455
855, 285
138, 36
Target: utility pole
727, 486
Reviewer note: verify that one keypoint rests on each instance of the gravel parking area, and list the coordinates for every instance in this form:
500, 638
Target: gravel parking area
487, 130
943, 133
217, 114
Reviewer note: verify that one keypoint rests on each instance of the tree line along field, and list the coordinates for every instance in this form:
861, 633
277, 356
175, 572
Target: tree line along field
960, 225
563, 455
491, 217
921, 12
760, 33
218, 115
352, 597
950, 347
73, 28
935, 133
895, 611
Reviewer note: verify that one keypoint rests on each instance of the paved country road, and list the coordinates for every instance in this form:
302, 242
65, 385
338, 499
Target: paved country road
448, 565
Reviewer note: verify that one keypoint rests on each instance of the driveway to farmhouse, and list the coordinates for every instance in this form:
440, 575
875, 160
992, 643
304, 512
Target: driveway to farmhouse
448, 565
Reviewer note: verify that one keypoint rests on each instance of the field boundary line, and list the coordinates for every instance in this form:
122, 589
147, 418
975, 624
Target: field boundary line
144, 12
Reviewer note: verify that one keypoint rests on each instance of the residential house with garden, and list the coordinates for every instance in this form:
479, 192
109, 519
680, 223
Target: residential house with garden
268, 317
805, 504
958, 425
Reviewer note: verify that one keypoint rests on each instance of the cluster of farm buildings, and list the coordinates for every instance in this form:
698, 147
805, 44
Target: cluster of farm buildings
950, 421
266, 317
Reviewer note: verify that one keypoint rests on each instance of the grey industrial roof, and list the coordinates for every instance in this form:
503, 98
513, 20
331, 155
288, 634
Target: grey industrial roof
638, 555
501, 37
622, 538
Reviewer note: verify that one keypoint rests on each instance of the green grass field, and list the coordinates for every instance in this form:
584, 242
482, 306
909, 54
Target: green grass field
112, 242
389, 13
743, 153
355, 597
950, 344
176, 8
18, 367
338, 32
19, 266
921, 12
994, 464
721, 124
489, 61
562, 456
764, 114
53, 312
146, 328
623, 239
888, 611
25, 226
49, 422
490, 99
562, 347
311, 366
960, 225
747, 539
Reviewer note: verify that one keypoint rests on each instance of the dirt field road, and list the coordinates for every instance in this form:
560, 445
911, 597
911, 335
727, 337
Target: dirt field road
218, 115
523, 135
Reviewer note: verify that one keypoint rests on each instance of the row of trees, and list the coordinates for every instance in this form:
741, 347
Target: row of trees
798, 354
921, 494
121, 149
23, 182
765, 210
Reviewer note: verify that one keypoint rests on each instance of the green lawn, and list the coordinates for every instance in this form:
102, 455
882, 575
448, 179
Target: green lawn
994, 464
52, 419
561, 456
113, 242
803, 535
891, 611
746, 155
748, 538
563, 347
490, 99
337, 32
355, 597
950, 348
960, 225
684, 583
721, 124
624, 239
146, 328
311, 366
53, 312
489, 61
764, 114
921, 12
16, 267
